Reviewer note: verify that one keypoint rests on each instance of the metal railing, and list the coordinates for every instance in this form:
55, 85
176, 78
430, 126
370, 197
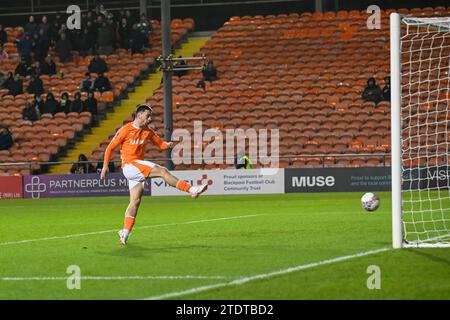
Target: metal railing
218, 161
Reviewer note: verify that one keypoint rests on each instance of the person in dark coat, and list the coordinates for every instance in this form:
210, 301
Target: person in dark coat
87, 84
86, 43
15, 87
82, 166
41, 46
105, 38
64, 103
50, 105
123, 30
6, 140
97, 65
31, 112
372, 92
37, 103
77, 104
209, 72
9, 79
31, 28
36, 85
90, 105
102, 83
48, 66
135, 40
23, 68
24, 47
63, 48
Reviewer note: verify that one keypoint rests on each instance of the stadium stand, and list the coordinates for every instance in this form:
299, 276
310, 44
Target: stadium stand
267, 78
48, 138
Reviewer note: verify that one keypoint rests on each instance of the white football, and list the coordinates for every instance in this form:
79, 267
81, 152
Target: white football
370, 201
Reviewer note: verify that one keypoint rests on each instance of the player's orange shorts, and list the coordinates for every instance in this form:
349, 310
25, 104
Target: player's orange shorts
137, 171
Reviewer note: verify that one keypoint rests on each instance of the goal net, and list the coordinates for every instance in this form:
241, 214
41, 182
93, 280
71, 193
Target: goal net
420, 76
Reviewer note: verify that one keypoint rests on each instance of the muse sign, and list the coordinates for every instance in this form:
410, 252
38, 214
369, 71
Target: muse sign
337, 179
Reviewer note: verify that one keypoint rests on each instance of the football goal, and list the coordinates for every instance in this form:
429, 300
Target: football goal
420, 115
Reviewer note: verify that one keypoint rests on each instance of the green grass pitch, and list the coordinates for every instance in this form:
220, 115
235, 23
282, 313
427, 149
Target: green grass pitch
186, 249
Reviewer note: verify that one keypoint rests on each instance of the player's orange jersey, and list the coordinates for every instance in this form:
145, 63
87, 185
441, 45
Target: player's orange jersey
132, 143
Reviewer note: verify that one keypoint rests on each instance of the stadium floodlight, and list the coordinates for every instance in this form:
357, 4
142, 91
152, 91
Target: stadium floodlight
420, 115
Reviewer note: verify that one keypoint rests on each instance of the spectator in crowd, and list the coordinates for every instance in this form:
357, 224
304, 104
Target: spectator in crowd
386, 92
209, 72
31, 112
82, 166
3, 54
181, 64
48, 66
77, 104
64, 103
87, 84
50, 105
45, 26
135, 40
36, 70
24, 47
105, 39
111, 166
242, 161
63, 48
54, 30
92, 28
123, 31
145, 28
38, 103
86, 42
6, 140
9, 79
90, 105
102, 83
97, 65
372, 92
15, 87
42, 45
31, 28
3, 36
100, 10
130, 18
2, 79
36, 86
23, 68
201, 84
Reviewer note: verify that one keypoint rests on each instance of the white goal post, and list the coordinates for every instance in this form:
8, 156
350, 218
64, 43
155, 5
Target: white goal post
420, 137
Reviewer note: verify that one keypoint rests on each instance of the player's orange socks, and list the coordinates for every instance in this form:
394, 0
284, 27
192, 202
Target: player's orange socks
129, 223
183, 185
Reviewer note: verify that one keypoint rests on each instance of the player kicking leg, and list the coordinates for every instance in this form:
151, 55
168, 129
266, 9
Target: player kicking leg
137, 173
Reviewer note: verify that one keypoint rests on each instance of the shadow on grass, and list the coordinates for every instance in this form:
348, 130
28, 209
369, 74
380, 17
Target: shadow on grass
430, 256
138, 251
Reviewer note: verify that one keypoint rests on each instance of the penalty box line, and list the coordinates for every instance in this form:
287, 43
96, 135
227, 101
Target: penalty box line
115, 230
262, 276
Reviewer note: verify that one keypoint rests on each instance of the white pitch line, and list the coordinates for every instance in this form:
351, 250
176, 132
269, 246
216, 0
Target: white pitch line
115, 230
243, 280
111, 278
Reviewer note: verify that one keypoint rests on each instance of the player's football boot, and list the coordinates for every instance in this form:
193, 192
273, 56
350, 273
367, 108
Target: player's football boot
198, 190
123, 237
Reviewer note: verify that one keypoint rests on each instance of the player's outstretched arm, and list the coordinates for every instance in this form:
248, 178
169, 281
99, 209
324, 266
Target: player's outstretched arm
115, 142
162, 145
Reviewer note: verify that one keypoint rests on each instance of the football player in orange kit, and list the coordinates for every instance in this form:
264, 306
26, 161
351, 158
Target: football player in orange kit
132, 139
